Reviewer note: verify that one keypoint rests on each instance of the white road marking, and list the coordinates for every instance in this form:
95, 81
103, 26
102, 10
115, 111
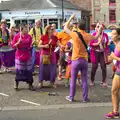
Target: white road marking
4, 94
29, 102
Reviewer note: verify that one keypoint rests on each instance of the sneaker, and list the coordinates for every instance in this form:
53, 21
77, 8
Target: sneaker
92, 84
66, 85
87, 100
69, 99
112, 115
59, 77
104, 84
40, 85
31, 87
53, 85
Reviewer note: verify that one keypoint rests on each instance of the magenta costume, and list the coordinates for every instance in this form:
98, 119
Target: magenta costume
98, 54
23, 58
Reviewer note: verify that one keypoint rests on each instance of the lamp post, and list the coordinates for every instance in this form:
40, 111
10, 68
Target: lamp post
62, 11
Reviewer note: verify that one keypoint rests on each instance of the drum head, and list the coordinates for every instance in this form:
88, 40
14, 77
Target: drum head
6, 49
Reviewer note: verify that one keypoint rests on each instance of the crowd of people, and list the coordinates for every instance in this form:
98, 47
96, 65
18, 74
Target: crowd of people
49, 49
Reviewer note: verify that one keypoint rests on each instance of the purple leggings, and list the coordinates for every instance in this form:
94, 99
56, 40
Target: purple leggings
79, 65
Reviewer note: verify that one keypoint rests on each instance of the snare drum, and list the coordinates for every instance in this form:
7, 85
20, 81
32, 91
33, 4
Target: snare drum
7, 55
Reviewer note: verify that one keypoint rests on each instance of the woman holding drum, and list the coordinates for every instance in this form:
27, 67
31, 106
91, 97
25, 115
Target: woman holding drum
6, 52
23, 57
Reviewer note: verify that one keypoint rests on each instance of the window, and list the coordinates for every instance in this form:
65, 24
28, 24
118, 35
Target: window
112, 2
112, 16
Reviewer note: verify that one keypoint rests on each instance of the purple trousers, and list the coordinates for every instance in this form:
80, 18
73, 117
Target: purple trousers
79, 65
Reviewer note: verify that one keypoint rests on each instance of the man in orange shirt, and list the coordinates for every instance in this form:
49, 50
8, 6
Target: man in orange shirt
63, 38
79, 58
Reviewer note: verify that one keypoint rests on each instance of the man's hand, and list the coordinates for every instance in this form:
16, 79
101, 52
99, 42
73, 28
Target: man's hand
73, 16
62, 47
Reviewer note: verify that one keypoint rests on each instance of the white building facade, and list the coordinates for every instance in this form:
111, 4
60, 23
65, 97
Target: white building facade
47, 16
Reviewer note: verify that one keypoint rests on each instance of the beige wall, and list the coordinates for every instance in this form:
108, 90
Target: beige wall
103, 14
86, 4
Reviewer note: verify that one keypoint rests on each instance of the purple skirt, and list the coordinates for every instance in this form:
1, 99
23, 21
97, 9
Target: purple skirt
24, 71
48, 72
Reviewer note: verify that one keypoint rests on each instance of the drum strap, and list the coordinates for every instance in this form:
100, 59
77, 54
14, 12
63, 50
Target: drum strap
34, 32
6, 32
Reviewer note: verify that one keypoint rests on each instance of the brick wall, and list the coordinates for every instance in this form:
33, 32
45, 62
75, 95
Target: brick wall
86, 4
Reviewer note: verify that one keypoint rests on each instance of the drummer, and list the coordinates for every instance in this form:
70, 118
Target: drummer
36, 33
4, 38
63, 38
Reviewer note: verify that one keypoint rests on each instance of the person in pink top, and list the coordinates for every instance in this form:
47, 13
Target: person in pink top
115, 57
22, 42
98, 54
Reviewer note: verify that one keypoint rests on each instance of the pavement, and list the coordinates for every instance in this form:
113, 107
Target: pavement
90, 113
39, 102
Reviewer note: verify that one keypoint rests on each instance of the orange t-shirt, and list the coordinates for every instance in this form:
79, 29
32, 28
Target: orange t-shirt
63, 37
79, 50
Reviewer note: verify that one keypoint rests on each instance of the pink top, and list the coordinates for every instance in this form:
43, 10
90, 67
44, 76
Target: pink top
106, 50
117, 53
24, 48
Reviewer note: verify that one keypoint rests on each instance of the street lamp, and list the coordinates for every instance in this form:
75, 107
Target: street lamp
62, 11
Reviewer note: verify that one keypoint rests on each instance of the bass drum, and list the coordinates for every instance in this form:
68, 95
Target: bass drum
7, 55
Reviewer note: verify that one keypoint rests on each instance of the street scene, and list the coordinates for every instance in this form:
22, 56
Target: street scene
59, 59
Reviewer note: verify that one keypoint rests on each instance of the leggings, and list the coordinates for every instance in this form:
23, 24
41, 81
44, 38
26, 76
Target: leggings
99, 59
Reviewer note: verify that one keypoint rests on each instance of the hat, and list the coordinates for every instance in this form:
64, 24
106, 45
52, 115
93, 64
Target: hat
3, 21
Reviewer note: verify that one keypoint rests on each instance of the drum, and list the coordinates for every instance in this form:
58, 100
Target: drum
7, 55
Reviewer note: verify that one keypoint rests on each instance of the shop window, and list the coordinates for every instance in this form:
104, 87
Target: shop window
45, 22
112, 16
54, 21
17, 22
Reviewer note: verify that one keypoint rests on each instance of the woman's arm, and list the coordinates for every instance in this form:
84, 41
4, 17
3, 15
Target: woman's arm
94, 44
113, 56
42, 46
16, 41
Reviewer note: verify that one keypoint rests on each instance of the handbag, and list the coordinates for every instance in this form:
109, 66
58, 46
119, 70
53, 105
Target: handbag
46, 58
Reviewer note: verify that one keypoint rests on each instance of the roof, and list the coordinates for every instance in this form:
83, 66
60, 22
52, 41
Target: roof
36, 4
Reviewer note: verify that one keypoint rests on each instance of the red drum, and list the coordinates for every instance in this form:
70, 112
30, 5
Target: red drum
7, 55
